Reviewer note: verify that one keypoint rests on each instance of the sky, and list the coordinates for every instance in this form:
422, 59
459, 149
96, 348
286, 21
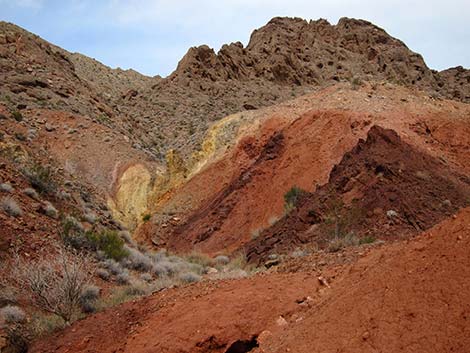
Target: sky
151, 36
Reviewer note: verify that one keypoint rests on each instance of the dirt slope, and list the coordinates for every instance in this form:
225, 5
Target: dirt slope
208, 317
240, 192
406, 297
382, 188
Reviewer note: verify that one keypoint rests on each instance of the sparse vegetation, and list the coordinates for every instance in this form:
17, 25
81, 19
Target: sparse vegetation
88, 299
41, 178
189, 277
292, 197
367, 240
146, 217
338, 243
55, 284
222, 260
12, 314
103, 274
31, 193
17, 116
5, 187
50, 210
10, 207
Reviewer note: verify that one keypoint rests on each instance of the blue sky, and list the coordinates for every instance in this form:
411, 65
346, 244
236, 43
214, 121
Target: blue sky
151, 36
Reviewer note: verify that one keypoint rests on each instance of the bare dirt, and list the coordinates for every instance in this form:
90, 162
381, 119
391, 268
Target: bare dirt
407, 297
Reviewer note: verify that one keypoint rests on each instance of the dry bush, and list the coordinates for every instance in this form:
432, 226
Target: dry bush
12, 314
11, 207
55, 285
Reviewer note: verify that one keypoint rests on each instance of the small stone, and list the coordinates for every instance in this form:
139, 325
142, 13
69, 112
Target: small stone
281, 321
365, 335
323, 281
49, 127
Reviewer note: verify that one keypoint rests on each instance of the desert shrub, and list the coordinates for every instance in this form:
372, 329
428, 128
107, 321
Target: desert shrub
41, 178
31, 193
90, 292
103, 274
146, 277
55, 284
299, 253
50, 210
109, 242
367, 240
127, 237
7, 295
11, 207
17, 116
160, 255
123, 278
255, 233
137, 288
199, 258
12, 314
90, 295
112, 266
338, 243
222, 260
43, 324
5, 187
292, 197
356, 82
238, 262
146, 217
189, 277
90, 217
73, 234
137, 260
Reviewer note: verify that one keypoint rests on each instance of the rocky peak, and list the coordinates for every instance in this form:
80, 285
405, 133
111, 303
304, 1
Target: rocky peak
294, 51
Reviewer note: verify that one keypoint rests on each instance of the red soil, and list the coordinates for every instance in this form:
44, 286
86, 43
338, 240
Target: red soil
379, 175
243, 192
408, 296
207, 317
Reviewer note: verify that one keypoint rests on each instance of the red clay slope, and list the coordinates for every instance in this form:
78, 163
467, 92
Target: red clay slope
407, 297
410, 296
383, 188
207, 317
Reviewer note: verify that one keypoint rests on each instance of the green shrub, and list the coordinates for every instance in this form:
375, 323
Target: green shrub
146, 217
292, 197
109, 242
367, 240
17, 116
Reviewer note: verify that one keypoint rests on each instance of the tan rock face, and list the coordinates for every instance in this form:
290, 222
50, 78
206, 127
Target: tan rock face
129, 202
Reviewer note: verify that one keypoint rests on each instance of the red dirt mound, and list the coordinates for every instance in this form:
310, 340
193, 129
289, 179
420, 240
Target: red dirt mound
207, 317
406, 297
383, 188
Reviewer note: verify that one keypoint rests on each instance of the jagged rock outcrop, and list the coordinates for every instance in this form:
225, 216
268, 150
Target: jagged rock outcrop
292, 51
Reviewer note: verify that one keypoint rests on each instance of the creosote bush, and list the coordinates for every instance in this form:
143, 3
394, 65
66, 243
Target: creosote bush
55, 284
10, 207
